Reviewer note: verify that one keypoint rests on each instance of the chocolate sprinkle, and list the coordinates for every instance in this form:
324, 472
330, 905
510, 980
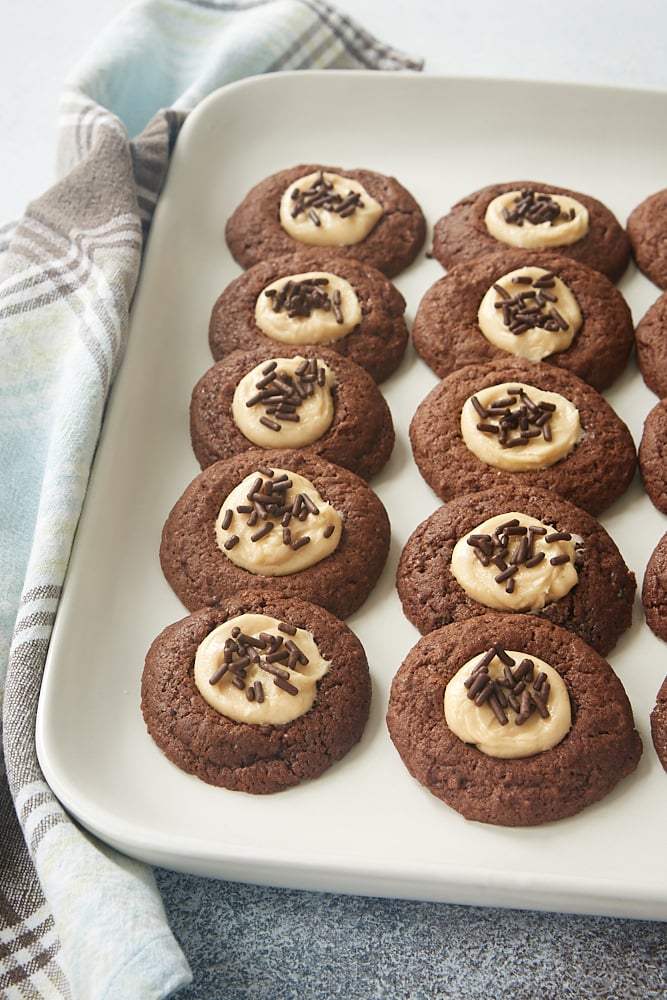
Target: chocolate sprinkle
496, 549
519, 418
509, 689
269, 508
227, 518
535, 208
301, 298
242, 649
532, 308
281, 394
321, 195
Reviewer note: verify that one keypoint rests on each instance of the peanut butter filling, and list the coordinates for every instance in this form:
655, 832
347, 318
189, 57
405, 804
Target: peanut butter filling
326, 209
514, 562
315, 307
285, 402
533, 220
275, 523
531, 313
519, 428
508, 704
258, 670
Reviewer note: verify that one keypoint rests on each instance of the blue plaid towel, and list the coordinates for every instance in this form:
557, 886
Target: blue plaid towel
77, 919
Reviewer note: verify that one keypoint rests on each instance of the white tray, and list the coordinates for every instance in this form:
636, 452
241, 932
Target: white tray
365, 826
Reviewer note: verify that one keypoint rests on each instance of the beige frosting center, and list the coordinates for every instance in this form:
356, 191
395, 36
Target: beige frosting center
256, 669
315, 307
278, 524
514, 562
512, 707
326, 209
285, 402
519, 428
533, 220
530, 312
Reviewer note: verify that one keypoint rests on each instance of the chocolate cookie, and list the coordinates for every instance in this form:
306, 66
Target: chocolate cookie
360, 435
654, 590
647, 229
650, 339
600, 748
596, 471
245, 756
659, 724
597, 600
206, 530
378, 333
651, 455
255, 232
528, 320
462, 234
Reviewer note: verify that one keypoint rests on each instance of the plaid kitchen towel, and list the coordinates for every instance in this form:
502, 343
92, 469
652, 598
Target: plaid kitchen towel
76, 918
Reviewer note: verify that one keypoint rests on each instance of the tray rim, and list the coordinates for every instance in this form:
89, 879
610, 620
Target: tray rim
645, 905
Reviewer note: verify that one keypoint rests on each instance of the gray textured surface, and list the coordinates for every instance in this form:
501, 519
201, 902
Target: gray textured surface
250, 943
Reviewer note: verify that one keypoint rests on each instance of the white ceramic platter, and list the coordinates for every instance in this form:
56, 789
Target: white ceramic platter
365, 826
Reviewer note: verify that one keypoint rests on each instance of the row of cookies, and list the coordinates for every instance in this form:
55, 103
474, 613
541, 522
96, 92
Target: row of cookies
647, 229
476, 311
489, 243
473, 552
280, 537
